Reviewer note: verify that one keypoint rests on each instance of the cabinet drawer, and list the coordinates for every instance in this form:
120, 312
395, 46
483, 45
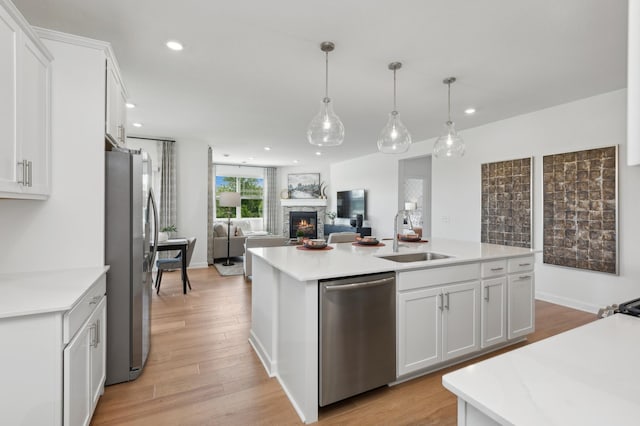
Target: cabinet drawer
494, 268
437, 276
74, 318
521, 264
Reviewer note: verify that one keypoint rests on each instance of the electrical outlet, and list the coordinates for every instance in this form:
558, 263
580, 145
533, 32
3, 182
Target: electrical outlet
445, 219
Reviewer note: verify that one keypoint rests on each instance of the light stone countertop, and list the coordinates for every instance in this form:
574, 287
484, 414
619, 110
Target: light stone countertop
30, 293
346, 259
585, 376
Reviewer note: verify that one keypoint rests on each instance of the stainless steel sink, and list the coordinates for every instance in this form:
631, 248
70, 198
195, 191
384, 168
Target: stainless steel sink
415, 257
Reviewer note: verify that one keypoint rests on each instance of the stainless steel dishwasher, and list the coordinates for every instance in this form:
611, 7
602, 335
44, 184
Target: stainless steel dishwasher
357, 335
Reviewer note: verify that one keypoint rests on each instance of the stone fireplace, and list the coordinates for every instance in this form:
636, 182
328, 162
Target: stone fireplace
303, 206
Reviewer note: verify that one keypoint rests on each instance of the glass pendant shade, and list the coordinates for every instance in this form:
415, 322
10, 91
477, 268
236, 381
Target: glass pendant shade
394, 137
326, 129
450, 144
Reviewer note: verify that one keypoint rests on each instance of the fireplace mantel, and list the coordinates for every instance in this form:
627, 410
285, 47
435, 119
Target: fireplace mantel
303, 202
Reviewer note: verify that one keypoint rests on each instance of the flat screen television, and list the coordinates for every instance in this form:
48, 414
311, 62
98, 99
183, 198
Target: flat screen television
352, 203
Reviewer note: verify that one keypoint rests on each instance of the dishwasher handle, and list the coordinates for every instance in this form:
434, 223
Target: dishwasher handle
355, 286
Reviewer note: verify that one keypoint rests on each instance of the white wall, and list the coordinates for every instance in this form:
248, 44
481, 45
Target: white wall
191, 197
589, 123
67, 230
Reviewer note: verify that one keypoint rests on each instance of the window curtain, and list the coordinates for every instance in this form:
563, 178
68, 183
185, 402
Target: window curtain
211, 205
271, 200
167, 205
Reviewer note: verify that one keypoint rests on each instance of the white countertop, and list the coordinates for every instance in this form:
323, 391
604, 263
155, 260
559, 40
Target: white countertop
346, 259
29, 293
586, 376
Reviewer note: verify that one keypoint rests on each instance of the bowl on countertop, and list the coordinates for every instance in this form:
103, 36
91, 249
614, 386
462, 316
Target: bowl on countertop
315, 243
368, 241
410, 237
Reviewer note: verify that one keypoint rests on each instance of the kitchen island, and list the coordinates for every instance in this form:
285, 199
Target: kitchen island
585, 376
284, 327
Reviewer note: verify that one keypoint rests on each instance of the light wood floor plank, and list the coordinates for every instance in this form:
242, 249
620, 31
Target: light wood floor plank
202, 371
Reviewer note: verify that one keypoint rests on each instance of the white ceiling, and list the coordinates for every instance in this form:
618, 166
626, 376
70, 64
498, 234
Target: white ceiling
252, 73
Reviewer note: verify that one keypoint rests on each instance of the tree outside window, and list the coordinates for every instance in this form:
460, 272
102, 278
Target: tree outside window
251, 195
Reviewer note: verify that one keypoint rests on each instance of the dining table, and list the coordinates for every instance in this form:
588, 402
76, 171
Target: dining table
181, 245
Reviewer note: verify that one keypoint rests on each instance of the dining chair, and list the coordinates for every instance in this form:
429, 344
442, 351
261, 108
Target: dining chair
174, 263
342, 237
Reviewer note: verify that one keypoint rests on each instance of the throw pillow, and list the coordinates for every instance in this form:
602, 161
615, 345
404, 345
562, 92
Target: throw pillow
220, 230
239, 232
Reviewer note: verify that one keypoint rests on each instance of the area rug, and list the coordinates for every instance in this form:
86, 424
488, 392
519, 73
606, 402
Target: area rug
235, 269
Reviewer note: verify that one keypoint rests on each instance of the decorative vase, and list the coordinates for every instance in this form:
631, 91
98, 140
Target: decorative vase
163, 236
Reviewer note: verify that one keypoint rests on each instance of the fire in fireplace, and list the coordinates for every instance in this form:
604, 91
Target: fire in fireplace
304, 221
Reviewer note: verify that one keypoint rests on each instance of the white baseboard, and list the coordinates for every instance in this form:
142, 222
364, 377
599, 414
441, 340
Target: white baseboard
200, 265
565, 301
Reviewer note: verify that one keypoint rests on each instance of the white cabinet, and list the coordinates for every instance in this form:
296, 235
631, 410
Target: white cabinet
494, 311
52, 362
494, 302
84, 368
116, 109
25, 109
521, 313
438, 322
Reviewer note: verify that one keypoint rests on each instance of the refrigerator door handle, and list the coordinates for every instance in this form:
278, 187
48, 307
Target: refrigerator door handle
152, 201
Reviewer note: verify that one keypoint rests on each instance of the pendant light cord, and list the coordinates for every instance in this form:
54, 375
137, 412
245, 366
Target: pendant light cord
449, 102
326, 75
394, 90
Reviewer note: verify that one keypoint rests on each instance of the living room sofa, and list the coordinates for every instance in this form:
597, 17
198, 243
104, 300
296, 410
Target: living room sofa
260, 241
240, 229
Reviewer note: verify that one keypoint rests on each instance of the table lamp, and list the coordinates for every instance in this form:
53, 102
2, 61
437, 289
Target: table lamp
229, 199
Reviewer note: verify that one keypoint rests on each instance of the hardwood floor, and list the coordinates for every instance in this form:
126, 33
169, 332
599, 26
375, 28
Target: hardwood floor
202, 370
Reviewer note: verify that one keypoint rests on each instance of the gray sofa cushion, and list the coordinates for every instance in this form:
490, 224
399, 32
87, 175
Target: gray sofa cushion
220, 230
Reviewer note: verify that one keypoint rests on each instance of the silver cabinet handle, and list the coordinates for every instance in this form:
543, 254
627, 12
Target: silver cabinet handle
447, 304
496, 269
93, 336
441, 305
524, 264
29, 173
486, 294
524, 277
97, 332
95, 300
25, 178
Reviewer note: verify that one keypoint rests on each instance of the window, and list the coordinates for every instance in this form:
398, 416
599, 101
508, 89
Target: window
251, 193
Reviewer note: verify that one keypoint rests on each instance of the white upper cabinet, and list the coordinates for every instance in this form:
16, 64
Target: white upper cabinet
116, 109
25, 109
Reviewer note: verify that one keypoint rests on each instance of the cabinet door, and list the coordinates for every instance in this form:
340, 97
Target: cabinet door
34, 116
521, 311
494, 311
9, 35
461, 320
115, 109
77, 378
419, 329
98, 352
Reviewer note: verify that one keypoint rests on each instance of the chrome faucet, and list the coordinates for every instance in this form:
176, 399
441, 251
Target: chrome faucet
396, 228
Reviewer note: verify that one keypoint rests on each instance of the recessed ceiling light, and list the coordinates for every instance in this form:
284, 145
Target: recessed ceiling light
295, 161
174, 45
225, 155
318, 153
250, 158
267, 148
130, 105
470, 111
137, 124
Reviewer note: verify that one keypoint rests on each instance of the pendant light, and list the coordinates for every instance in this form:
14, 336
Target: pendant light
394, 137
326, 129
450, 144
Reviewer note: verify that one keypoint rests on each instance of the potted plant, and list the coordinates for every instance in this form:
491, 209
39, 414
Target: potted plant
300, 235
332, 216
166, 232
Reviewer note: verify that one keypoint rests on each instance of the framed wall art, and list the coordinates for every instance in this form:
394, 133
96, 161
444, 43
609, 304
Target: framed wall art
580, 198
304, 185
507, 189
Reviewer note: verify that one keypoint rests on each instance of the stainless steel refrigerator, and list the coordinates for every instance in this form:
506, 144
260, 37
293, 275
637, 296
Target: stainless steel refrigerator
131, 224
